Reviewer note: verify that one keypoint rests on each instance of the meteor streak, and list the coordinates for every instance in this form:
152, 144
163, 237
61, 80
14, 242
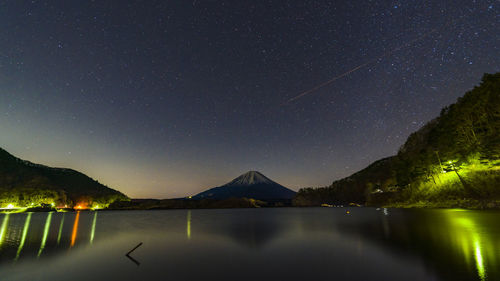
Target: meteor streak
406, 45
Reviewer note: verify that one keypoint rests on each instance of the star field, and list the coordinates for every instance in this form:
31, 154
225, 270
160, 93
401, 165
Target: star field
166, 98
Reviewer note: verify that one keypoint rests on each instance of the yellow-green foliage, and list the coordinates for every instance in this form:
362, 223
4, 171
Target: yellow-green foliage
457, 155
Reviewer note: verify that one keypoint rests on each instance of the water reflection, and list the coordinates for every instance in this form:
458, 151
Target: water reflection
75, 229
249, 228
468, 235
188, 225
455, 243
92, 231
4, 228
45, 233
31, 235
471, 235
479, 261
23, 238
61, 224
284, 244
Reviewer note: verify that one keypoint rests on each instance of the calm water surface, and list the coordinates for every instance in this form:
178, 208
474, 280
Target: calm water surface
252, 244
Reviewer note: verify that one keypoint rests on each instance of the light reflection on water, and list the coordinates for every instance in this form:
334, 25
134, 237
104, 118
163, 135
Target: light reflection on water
61, 224
4, 227
45, 233
92, 231
188, 225
472, 240
25, 233
75, 229
248, 244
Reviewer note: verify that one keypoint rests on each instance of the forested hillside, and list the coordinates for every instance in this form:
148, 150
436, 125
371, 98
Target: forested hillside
454, 160
26, 184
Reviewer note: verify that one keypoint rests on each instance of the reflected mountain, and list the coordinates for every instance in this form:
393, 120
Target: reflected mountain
250, 230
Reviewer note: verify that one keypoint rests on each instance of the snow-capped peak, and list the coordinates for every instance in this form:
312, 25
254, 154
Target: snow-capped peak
250, 178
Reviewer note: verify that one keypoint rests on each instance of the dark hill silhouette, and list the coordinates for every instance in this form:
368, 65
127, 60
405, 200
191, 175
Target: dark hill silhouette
23, 183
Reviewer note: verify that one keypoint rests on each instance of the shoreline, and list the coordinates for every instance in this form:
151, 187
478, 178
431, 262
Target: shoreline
470, 205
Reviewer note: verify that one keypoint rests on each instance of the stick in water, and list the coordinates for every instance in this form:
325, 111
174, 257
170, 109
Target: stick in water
131, 258
133, 249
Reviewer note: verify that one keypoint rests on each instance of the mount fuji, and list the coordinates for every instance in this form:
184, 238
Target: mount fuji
249, 185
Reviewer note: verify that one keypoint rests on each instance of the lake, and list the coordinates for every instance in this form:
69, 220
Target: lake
252, 244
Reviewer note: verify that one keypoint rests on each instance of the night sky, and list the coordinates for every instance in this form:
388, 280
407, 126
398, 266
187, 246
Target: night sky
167, 98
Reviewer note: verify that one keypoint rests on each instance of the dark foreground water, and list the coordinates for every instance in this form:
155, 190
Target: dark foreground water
252, 244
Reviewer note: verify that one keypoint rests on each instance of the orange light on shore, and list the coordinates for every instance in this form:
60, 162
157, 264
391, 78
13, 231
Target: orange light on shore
75, 229
81, 206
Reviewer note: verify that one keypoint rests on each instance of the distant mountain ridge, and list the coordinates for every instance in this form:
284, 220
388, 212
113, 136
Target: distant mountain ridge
23, 183
251, 184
